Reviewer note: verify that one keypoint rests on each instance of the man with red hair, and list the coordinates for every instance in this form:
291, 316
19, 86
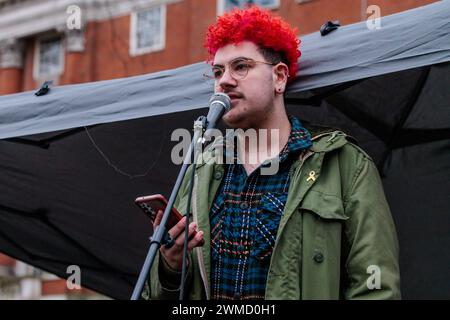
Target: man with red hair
319, 228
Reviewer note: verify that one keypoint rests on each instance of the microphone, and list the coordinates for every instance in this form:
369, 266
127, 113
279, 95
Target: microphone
218, 105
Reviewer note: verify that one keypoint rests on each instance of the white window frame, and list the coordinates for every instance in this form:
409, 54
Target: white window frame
37, 59
221, 6
134, 50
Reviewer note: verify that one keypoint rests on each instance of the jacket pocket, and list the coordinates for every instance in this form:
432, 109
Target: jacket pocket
325, 206
267, 220
323, 220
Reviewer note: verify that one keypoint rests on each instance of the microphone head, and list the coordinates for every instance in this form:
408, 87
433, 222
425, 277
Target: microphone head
222, 99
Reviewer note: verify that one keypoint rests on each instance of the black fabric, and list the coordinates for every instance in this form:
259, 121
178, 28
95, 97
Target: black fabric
62, 203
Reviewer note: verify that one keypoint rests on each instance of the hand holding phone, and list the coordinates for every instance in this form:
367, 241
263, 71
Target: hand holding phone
152, 204
173, 256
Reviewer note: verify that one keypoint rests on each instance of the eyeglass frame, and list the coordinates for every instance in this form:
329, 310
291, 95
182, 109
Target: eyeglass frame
231, 70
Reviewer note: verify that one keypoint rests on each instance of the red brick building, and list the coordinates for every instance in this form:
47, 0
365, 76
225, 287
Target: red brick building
74, 41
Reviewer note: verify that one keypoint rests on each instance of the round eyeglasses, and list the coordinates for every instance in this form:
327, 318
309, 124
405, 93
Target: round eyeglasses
238, 67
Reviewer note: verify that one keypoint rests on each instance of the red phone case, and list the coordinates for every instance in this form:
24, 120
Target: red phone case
151, 204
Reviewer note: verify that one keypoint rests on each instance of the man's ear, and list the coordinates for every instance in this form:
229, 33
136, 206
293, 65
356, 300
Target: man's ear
281, 74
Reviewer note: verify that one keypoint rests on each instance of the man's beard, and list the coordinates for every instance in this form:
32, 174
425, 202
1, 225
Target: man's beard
247, 117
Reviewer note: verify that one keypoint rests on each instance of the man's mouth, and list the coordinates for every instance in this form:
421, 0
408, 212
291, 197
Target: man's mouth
234, 96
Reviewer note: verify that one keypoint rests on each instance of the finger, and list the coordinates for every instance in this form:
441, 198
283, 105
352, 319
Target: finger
158, 218
197, 241
174, 253
180, 239
175, 232
177, 229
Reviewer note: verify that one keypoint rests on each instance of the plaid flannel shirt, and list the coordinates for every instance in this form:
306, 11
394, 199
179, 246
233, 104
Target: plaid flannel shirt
244, 219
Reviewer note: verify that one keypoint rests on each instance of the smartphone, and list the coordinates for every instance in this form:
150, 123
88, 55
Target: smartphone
152, 204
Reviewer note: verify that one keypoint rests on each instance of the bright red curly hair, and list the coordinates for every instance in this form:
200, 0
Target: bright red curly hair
256, 25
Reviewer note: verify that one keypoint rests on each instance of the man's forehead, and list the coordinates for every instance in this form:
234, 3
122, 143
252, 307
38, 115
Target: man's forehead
230, 52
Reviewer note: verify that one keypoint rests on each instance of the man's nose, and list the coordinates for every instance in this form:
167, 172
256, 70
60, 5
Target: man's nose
226, 81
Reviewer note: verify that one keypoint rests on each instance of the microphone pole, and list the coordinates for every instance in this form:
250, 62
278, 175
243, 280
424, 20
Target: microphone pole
218, 104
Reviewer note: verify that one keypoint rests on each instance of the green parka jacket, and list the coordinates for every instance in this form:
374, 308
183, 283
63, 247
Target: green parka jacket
336, 238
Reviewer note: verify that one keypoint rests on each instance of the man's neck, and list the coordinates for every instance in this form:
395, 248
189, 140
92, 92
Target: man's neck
271, 137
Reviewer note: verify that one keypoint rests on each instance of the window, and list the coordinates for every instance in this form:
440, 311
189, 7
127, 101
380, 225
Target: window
225, 5
148, 30
48, 58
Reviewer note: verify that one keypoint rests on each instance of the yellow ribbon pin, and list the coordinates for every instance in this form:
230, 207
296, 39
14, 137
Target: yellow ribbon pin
312, 176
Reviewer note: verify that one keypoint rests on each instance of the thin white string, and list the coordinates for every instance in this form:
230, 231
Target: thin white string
116, 168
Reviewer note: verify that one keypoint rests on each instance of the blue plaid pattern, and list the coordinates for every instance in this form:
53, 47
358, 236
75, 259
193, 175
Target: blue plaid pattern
245, 216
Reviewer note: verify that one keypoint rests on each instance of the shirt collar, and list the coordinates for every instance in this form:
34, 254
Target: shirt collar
299, 139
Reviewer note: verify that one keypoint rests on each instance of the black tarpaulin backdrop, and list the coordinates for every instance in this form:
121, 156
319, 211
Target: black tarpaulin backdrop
72, 162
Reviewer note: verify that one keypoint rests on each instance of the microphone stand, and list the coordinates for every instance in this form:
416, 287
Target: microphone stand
199, 128
160, 235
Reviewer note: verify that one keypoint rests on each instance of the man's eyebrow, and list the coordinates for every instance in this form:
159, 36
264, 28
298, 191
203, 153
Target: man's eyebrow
221, 65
